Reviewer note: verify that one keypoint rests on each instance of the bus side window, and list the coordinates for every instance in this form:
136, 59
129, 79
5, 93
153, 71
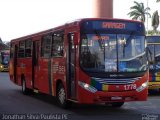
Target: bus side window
21, 50
28, 48
46, 46
58, 44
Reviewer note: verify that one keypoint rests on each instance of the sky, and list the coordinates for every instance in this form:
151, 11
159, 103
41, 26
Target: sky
23, 17
122, 9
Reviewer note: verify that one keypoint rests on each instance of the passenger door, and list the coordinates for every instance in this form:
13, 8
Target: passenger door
71, 67
15, 63
35, 64
44, 64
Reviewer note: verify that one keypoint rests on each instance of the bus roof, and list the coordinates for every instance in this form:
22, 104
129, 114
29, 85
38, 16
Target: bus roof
68, 24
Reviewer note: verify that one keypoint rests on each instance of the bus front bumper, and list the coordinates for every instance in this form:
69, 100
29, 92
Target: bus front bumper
106, 97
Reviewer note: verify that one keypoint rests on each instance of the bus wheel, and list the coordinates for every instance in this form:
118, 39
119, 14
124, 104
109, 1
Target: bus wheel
25, 90
117, 104
61, 96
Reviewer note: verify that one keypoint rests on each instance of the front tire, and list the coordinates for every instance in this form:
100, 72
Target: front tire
61, 97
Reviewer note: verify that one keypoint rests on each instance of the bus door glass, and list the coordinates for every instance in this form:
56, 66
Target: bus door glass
15, 62
35, 64
71, 66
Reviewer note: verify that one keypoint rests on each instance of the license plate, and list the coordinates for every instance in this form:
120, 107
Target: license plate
116, 98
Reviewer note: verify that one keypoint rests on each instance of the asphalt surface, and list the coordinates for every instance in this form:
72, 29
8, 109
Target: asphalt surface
15, 105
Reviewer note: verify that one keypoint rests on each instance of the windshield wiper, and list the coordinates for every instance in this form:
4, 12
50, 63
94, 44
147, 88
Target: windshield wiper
99, 38
100, 41
127, 42
129, 38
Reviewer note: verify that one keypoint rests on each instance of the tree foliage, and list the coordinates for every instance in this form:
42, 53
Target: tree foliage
139, 12
155, 20
152, 32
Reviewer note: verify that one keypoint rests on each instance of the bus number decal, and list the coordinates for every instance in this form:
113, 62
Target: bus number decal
130, 87
61, 69
58, 68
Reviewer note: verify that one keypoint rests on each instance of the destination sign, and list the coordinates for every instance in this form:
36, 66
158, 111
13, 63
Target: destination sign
100, 38
113, 26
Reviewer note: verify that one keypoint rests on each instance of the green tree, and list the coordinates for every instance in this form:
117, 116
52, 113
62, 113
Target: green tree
151, 32
158, 1
139, 12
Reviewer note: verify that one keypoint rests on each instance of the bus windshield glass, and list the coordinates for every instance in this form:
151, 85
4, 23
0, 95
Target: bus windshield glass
153, 44
5, 59
155, 53
113, 52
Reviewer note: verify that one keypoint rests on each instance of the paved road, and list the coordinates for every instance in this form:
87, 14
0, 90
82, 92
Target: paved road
13, 102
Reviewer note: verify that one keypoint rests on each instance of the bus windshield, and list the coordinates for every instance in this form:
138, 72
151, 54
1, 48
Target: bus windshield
5, 59
113, 52
155, 52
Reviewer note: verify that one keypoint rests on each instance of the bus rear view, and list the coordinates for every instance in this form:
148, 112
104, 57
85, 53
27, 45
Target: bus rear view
113, 62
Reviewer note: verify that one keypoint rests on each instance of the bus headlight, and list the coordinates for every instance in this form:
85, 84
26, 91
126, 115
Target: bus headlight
142, 87
1, 66
87, 87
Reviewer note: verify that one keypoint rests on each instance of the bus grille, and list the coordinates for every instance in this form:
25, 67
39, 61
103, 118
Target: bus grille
116, 81
5, 66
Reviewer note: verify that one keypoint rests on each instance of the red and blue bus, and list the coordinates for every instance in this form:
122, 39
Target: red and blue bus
86, 61
153, 43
